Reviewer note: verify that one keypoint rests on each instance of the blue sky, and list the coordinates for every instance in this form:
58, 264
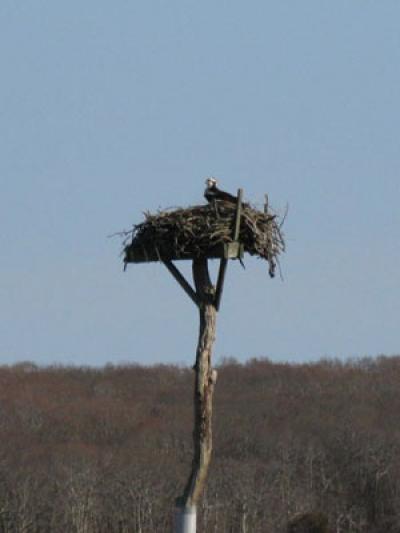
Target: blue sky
108, 109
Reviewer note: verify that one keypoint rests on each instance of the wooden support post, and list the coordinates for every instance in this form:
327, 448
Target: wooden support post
266, 204
182, 282
205, 380
208, 299
236, 230
224, 262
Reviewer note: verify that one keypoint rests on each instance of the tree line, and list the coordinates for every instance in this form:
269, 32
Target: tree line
103, 450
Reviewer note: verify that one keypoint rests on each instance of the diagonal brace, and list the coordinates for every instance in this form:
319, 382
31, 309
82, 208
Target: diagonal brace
182, 282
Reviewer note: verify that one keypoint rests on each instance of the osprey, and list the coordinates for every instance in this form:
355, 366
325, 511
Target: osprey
212, 193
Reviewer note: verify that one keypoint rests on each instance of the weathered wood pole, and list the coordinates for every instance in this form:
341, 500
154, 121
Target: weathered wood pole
205, 379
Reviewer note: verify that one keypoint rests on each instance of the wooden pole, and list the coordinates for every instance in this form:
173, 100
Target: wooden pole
236, 230
208, 301
224, 262
205, 379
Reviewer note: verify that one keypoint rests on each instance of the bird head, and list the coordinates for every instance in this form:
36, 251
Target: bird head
211, 182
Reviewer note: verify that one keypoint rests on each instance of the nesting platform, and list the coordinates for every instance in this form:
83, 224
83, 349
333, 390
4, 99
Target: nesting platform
220, 230
140, 254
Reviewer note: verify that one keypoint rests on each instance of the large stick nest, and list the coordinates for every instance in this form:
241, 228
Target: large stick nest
191, 232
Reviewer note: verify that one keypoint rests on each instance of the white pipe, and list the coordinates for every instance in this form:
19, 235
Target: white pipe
185, 519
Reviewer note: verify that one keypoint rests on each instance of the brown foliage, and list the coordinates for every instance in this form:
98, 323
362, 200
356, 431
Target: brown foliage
104, 450
309, 523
